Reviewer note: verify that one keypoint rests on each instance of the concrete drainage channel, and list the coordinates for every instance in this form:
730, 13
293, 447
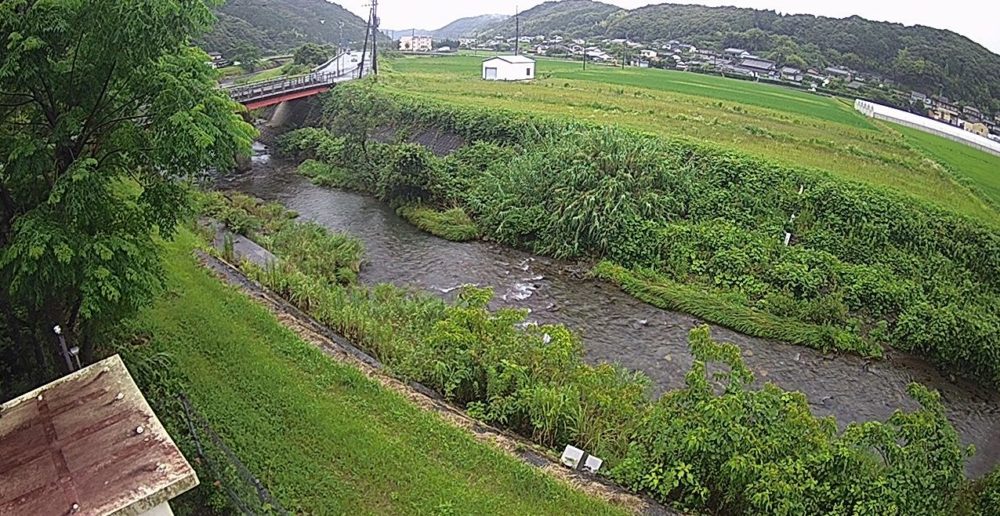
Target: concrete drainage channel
339, 348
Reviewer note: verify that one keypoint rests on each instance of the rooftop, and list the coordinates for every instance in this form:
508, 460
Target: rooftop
87, 444
512, 59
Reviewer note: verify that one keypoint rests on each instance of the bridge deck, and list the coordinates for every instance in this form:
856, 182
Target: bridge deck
342, 68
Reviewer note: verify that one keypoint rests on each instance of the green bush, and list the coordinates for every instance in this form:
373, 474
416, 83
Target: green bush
452, 224
334, 258
718, 445
870, 266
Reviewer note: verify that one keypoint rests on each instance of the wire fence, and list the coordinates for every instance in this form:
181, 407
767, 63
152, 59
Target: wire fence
245, 490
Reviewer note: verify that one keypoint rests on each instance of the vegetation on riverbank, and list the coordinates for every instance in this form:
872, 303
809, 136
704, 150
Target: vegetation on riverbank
865, 267
322, 436
664, 293
719, 444
790, 127
451, 224
333, 257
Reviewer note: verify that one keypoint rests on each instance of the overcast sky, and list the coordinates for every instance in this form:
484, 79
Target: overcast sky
978, 20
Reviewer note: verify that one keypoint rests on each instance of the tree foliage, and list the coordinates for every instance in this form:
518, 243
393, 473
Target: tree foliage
312, 54
282, 25
104, 107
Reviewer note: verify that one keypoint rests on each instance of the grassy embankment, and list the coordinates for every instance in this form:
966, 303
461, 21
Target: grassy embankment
322, 436
689, 448
978, 167
868, 267
790, 127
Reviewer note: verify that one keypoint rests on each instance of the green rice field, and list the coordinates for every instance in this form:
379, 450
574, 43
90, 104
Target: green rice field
785, 125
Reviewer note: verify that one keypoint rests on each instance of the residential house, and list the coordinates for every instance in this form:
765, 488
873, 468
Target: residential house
466, 42
855, 85
735, 52
840, 73
977, 128
648, 54
790, 73
972, 114
416, 44
919, 98
944, 114
759, 67
218, 61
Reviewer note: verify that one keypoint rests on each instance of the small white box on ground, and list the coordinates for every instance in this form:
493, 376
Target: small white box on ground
592, 464
572, 456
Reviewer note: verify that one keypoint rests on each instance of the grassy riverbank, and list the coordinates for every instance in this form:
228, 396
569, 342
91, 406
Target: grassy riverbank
863, 268
322, 436
791, 127
741, 450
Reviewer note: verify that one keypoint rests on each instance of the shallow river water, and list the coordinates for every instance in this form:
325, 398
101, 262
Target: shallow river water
614, 326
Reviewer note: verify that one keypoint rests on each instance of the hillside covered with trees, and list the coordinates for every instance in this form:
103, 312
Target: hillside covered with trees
920, 58
281, 25
577, 18
460, 28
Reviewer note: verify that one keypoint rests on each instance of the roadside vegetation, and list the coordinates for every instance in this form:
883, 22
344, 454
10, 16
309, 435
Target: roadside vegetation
719, 444
322, 436
689, 226
784, 125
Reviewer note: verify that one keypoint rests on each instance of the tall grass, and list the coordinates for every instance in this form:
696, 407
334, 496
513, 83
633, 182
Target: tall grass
737, 449
451, 224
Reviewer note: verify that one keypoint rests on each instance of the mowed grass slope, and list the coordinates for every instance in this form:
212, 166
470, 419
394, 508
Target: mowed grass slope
980, 167
790, 127
323, 437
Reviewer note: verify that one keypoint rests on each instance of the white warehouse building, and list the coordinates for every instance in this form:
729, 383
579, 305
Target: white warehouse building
509, 68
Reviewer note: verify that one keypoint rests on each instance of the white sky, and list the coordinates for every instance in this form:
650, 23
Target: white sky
978, 20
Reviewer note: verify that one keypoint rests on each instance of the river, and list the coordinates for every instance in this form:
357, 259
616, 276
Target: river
614, 326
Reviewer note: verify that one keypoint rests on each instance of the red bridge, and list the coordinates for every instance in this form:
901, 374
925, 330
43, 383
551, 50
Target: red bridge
268, 93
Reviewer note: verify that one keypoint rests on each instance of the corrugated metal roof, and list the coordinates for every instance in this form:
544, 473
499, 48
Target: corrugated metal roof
76, 443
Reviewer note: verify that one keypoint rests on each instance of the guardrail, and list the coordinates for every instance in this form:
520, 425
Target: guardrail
256, 90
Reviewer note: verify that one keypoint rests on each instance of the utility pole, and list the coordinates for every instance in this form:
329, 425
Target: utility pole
371, 29
517, 25
625, 50
375, 25
364, 48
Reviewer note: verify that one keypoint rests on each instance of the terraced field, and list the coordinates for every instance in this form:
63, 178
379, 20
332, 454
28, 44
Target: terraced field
790, 127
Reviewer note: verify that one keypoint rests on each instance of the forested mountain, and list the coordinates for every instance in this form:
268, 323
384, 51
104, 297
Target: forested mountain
460, 28
281, 25
921, 58
567, 18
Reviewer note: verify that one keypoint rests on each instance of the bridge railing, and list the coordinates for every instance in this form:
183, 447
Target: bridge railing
260, 89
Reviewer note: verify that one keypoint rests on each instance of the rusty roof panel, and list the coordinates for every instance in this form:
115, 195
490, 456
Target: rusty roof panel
77, 441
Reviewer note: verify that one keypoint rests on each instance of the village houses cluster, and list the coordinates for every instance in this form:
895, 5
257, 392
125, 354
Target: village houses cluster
733, 62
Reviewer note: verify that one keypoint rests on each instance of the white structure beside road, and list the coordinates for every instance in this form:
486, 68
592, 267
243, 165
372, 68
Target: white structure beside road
509, 68
416, 44
896, 116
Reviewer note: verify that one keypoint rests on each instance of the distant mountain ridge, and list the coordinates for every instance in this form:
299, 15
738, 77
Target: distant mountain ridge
567, 18
460, 28
281, 25
920, 58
